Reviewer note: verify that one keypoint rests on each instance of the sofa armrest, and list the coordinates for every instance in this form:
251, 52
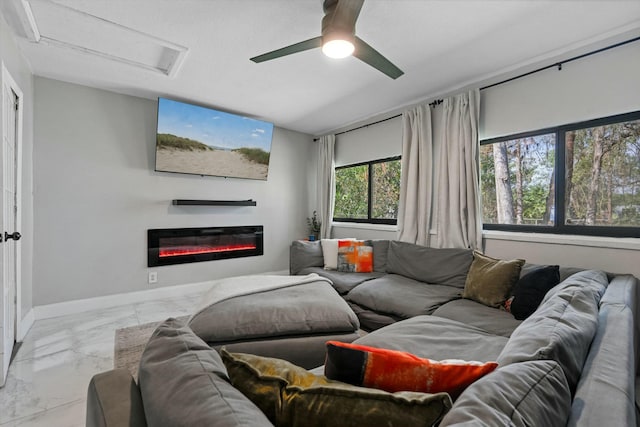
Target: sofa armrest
114, 399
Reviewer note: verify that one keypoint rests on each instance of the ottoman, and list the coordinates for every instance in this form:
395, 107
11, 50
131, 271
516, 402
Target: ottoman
287, 317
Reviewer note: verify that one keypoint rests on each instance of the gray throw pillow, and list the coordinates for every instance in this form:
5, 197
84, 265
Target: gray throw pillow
446, 266
183, 382
562, 328
532, 393
304, 254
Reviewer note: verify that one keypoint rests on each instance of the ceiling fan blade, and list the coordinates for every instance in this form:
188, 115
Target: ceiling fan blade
367, 54
294, 48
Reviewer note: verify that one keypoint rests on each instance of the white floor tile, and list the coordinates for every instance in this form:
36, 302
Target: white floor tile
45, 382
159, 310
80, 332
68, 415
48, 380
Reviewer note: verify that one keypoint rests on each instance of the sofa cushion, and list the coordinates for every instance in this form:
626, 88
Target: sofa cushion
447, 266
304, 254
606, 390
593, 282
490, 280
183, 382
113, 399
437, 338
401, 296
529, 291
524, 394
380, 251
563, 326
492, 320
293, 397
342, 281
393, 370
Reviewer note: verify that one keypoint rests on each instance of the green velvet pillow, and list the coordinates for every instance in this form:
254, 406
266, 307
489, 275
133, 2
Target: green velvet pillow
490, 280
292, 396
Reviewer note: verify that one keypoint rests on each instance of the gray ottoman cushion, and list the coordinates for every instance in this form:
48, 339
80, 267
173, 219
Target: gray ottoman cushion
288, 317
307, 309
183, 382
521, 395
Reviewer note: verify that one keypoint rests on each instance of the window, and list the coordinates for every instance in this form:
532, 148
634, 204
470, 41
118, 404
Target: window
368, 192
582, 178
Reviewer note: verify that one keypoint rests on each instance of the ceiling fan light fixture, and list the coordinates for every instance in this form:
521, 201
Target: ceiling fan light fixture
338, 48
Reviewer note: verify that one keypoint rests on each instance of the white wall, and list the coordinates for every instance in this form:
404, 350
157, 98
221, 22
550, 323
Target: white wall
96, 194
21, 73
596, 86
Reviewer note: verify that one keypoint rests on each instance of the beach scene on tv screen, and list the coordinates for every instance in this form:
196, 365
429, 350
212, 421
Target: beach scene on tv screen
202, 141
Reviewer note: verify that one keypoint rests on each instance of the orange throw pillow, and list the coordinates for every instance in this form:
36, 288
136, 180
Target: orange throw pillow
354, 256
393, 370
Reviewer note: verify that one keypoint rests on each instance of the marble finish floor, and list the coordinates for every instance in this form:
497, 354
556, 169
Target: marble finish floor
48, 378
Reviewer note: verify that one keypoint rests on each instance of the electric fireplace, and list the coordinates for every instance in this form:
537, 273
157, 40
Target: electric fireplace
182, 245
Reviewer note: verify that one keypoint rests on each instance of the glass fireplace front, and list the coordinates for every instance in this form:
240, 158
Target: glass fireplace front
183, 245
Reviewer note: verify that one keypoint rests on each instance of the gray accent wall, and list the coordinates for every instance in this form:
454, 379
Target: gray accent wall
20, 71
96, 194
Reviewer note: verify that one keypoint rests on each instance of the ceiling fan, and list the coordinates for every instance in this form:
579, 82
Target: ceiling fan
338, 39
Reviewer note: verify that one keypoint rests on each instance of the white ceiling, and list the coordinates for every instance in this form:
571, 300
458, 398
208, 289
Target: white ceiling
440, 45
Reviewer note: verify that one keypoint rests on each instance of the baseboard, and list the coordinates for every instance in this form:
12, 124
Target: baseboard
24, 325
65, 308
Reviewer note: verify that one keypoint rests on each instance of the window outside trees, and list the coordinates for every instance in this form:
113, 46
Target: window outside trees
590, 169
368, 192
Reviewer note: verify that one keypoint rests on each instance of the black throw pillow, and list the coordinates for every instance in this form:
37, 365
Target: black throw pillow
529, 291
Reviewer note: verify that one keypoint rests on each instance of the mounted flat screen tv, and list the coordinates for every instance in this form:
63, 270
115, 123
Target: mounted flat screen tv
202, 141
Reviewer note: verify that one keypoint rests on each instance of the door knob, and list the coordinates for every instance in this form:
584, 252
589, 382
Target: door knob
15, 236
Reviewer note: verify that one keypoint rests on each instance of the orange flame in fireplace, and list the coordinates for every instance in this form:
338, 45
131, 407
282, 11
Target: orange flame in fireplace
195, 250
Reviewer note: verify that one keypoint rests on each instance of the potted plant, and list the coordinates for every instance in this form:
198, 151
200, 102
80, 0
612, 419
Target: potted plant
314, 226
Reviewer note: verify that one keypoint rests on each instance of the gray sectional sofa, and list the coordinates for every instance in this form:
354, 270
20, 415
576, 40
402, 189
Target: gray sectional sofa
572, 362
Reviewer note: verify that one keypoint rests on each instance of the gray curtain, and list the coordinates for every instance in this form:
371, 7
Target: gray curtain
459, 218
416, 188
326, 183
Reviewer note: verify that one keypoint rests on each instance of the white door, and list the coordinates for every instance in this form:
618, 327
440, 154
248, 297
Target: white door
9, 248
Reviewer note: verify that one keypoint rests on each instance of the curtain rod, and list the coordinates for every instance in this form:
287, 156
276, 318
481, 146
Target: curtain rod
560, 63
557, 64
431, 104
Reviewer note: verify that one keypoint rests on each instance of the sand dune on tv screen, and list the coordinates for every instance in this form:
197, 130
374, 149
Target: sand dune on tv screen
217, 162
